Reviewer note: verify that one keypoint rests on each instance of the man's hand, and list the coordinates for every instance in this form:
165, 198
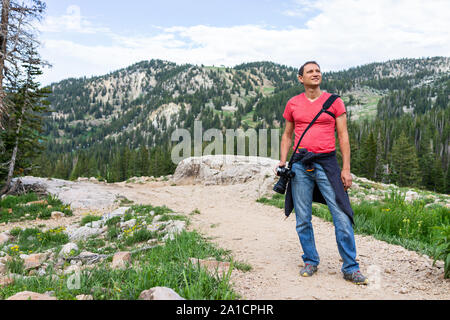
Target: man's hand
346, 178
281, 164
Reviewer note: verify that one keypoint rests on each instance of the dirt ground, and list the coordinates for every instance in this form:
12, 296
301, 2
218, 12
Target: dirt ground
259, 235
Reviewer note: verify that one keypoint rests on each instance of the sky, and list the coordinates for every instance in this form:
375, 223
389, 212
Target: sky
94, 37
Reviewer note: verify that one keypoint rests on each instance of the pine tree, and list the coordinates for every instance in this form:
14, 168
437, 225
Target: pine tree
22, 135
404, 163
380, 174
437, 173
426, 161
369, 156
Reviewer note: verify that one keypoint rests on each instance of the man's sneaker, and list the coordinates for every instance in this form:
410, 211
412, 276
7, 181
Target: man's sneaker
356, 277
308, 270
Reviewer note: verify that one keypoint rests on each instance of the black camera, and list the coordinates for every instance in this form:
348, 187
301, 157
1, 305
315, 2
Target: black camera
285, 175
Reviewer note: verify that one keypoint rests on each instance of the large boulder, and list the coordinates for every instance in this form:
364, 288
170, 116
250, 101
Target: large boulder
78, 194
228, 169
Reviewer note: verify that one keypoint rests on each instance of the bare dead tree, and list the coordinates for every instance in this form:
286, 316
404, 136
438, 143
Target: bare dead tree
3, 40
18, 48
17, 32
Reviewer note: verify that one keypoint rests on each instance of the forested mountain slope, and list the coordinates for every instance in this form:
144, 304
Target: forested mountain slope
119, 125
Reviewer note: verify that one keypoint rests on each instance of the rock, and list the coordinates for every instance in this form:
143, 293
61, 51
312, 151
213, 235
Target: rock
116, 213
211, 265
128, 224
41, 272
411, 196
83, 195
404, 291
86, 255
371, 197
96, 224
332, 272
159, 293
36, 202
57, 215
228, 169
29, 295
6, 281
5, 259
34, 260
85, 297
4, 237
67, 248
2, 268
72, 269
83, 233
120, 259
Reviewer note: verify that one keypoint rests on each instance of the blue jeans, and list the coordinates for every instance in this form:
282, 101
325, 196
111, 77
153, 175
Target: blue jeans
302, 191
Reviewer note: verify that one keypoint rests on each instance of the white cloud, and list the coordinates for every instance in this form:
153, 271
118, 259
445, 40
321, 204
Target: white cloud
344, 33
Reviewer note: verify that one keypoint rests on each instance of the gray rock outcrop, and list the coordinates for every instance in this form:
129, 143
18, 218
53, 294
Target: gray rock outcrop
228, 169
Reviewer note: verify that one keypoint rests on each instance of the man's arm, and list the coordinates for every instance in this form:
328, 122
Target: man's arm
344, 144
286, 143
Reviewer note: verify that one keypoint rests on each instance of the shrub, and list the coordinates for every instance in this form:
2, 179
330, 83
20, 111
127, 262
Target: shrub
442, 249
89, 218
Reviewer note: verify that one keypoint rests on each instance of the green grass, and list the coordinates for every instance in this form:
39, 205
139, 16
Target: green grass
166, 266
89, 218
34, 240
14, 208
194, 212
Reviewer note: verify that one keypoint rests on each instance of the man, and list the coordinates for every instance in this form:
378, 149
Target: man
321, 172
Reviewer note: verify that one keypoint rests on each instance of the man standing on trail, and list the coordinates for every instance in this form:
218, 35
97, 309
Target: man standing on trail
317, 173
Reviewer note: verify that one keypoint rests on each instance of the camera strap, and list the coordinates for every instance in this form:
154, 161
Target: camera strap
325, 108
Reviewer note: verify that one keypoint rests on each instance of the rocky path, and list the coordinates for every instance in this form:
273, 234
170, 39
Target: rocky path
260, 236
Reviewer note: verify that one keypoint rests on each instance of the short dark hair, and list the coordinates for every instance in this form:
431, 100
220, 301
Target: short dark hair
302, 68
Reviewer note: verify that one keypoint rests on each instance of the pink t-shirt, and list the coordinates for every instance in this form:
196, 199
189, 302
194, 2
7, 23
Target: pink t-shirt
320, 137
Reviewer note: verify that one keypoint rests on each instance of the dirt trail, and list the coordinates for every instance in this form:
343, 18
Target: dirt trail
259, 235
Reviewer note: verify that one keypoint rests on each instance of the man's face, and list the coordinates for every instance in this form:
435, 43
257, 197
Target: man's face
312, 77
